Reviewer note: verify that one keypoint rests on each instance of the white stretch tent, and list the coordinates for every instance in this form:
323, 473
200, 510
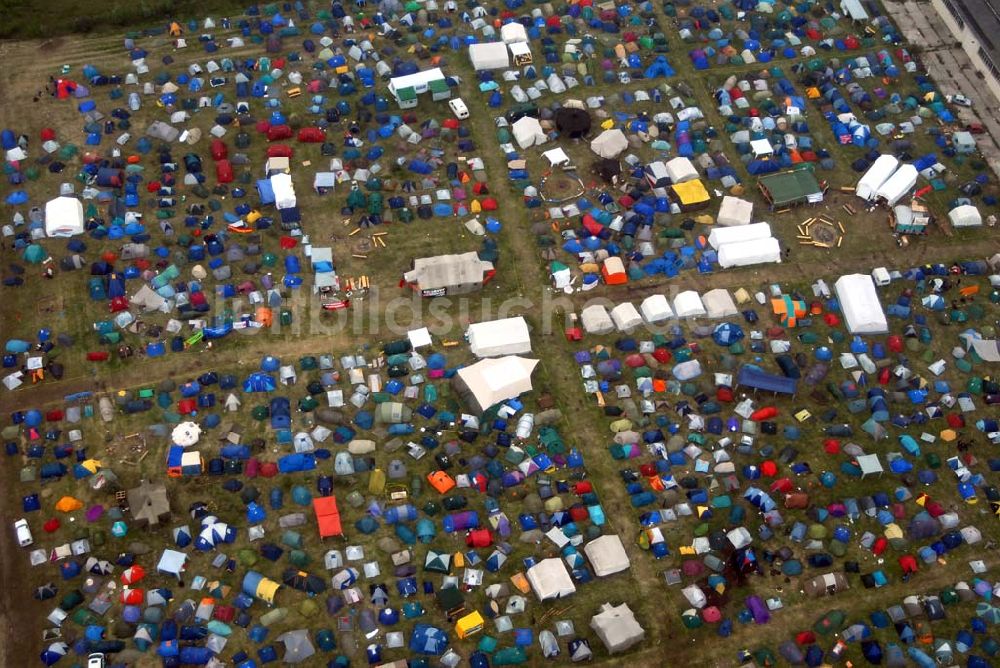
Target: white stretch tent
688, 305
719, 303
626, 317
719, 236
549, 579
508, 336
860, 305
528, 132
965, 216
607, 555
877, 174
490, 381
513, 32
616, 627
681, 169
656, 308
489, 56
610, 143
900, 183
596, 320
734, 211
63, 217
744, 253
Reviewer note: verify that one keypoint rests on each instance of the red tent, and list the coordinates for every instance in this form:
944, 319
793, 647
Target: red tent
769, 469
276, 132
97, 356
51, 526
279, 151
311, 135
219, 150
48, 134
186, 406
765, 413
224, 171
327, 516
478, 538
268, 470
132, 596
908, 563
118, 304
489, 204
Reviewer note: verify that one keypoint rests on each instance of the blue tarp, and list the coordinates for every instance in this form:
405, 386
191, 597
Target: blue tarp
758, 379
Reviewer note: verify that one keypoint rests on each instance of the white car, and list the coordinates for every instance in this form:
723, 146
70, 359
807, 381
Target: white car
95, 660
959, 99
23, 533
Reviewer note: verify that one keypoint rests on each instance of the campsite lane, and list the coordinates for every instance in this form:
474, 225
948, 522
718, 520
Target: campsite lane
951, 69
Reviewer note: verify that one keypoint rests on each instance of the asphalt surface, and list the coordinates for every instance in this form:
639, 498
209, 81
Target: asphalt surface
952, 71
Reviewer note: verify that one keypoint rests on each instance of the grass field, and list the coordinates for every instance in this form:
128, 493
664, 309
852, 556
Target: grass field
522, 272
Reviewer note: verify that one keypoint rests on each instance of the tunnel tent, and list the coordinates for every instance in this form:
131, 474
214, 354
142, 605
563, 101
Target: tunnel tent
877, 174
720, 236
507, 336
735, 212
63, 217
859, 304
897, 185
489, 56
746, 253
680, 169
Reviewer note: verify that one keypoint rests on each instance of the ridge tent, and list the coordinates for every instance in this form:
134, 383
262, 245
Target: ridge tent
489, 56
880, 171
719, 304
596, 320
656, 308
965, 215
508, 336
617, 627
607, 555
688, 305
681, 169
63, 217
449, 274
610, 143
490, 381
528, 132
549, 579
897, 185
860, 305
754, 377
735, 211
626, 317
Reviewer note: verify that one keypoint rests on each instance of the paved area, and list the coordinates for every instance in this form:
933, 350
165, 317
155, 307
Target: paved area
951, 69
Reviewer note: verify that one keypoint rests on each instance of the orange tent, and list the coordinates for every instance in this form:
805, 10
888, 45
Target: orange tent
327, 516
613, 271
68, 504
175, 29
441, 481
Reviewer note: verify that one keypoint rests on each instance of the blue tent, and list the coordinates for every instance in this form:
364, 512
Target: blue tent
259, 382
427, 639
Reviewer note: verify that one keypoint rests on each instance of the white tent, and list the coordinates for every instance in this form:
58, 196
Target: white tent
596, 320
508, 336
626, 317
528, 132
656, 308
744, 253
550, 579
734, 211
739, 537
607, 555
719, 303
860, 305
284, 191
900, 183
556, 157
490, 381
695, 596
688, 305
965, 216
616, 627
489, 56
761, 148
63, 217
877, 174
681, 169
719, 236
610, 143
513, 32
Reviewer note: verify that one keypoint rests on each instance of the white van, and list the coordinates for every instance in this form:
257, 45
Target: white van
458, 108
23, 533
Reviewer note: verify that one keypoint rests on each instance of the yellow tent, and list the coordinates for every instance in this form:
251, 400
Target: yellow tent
893, 531
376, 482
91, 465
175, 29
470, 624
68, 504
691, 193
266, 589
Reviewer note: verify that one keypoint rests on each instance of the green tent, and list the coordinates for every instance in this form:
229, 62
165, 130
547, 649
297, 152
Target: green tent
35, 254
